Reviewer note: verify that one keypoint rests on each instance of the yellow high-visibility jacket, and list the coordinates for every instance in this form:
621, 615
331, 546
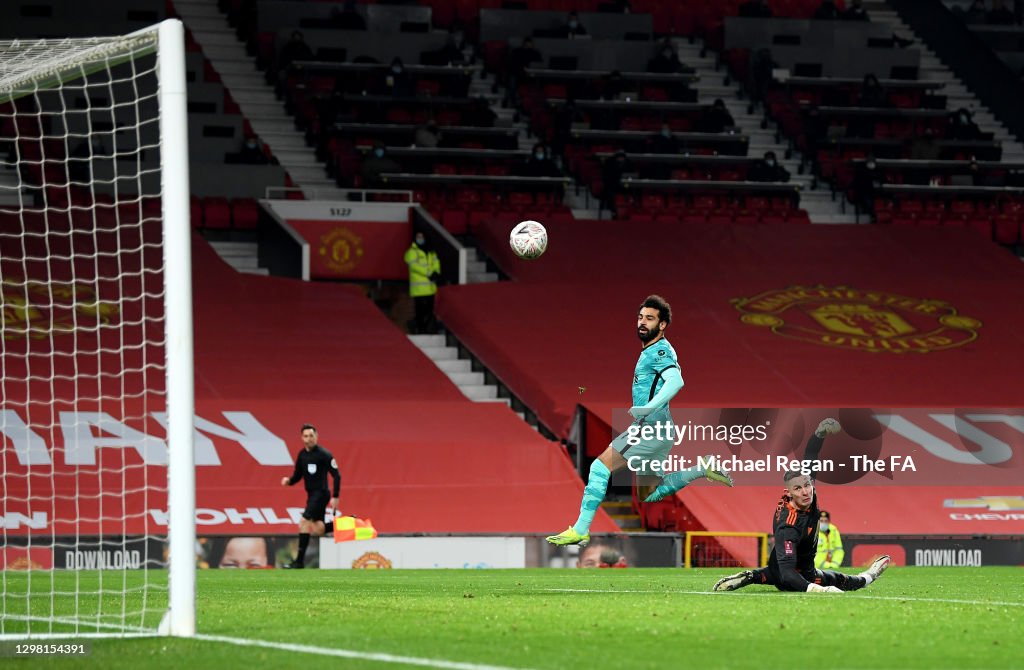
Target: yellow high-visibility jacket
421, 264
830, 550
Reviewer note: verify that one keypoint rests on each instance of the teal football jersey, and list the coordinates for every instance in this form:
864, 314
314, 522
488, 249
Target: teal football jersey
647, 377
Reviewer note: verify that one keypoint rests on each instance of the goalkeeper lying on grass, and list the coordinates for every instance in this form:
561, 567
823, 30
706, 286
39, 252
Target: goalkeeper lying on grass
791, 565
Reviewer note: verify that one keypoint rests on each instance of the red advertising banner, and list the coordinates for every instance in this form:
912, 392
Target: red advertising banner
402, 466
356, 249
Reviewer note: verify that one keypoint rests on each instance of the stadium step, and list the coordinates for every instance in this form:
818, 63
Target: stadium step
621, 512
441, 353
256, 94
233, 80
263, 107
196, 8
215, 38
302, 175
479, 392
629, 523
242, 256
453, 366
427, 340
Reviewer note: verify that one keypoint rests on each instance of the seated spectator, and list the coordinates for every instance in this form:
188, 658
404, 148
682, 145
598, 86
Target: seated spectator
540, 164
448, 54
613, 85
666, 60
871, 93
855, 12
377, 163
768, 170
426, 136
761, 68
1000, 15
251, 153
294, 49
756, 9
827, 11
523, 57
573, 28
518, 60
663, 142
479, 114
455, 51
611, 178
565, 116
716, 119
347, 18
963, 127
398, 82
925, 147
866, 180
458, 34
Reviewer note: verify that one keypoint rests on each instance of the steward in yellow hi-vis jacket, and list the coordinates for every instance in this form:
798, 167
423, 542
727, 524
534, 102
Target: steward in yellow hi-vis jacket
424, 271
830, 544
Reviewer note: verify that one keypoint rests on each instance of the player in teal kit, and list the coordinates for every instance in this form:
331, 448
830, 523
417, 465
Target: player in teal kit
656, 380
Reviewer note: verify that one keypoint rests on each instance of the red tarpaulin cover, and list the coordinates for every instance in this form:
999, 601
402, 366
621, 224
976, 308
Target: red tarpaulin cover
568, 321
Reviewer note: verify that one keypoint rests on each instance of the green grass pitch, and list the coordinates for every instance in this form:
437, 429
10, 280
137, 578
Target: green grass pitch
911, 618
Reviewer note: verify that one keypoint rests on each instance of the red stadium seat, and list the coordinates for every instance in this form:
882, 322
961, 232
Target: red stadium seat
245, 214
1006, 229
983, 226
455, 221
216, 213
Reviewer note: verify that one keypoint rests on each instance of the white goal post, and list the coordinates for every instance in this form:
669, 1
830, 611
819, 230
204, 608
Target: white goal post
96, 342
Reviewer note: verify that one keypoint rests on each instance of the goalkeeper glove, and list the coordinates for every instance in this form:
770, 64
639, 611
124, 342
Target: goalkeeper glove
818, 588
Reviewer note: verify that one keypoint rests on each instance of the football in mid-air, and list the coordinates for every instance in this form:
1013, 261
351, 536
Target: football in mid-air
528, 239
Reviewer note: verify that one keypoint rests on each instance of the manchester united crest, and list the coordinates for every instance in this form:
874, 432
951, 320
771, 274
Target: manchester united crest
851, 318
342, 250
39, 310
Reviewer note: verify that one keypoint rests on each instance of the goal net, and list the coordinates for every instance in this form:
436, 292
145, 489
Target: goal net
97, 511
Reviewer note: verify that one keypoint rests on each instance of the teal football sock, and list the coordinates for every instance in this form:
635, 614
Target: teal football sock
675, 481
593, 494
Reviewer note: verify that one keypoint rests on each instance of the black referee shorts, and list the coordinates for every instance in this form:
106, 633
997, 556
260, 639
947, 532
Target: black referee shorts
316, 505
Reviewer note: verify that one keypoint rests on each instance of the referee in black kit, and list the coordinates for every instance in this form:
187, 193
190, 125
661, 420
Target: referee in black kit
312, 464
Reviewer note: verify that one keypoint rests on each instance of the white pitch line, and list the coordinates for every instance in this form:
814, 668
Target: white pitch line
349, 653
954, 601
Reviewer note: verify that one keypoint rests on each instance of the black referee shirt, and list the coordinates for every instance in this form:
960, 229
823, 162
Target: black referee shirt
312, 465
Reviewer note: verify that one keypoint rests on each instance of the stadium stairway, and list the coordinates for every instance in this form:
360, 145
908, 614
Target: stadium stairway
459, 370
242, 256
957, 93
476, 270
256, 98
713, 84
621, 512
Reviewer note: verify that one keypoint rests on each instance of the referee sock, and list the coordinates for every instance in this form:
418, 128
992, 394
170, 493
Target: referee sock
593, 494
303, 543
